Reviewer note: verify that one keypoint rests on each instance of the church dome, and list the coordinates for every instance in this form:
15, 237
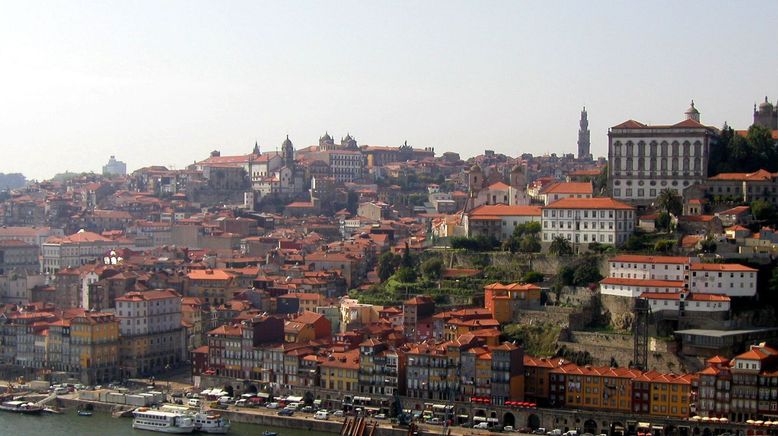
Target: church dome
348, 137
692, 109
326, 137
765, 105
287, 142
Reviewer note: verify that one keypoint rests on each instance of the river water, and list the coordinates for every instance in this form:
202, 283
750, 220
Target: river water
102, 424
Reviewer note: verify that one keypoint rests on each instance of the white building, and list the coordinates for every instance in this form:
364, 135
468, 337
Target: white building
630, 275
633, 288
78, 249
730, 279
699, 303
150, 312
584, 220
644, 159
634, 266
498, 220
560, 190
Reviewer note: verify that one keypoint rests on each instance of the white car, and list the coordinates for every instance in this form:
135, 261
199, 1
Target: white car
322, 414
273, 405
337, 413
482, 425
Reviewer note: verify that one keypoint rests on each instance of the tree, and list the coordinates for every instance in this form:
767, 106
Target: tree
530, 244
663, 221
532, 277
432, 269
587, 272
406, 274
600, 183
664, 246
763, 211
407, 259
560, 246
387, 265
708, 245
670, 201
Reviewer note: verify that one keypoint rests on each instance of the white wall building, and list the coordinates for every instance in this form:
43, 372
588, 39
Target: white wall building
77, 249
644, 159
150, 312
633, 266
723, 278
699, 303
584, 220
633, 288
498, 220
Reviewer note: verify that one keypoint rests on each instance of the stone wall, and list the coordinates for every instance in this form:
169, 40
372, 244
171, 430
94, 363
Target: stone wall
604, 346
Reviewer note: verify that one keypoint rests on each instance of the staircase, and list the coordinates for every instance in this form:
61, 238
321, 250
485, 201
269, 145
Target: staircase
46, 400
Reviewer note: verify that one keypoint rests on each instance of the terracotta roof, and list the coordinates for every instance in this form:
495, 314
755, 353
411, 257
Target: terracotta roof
760, 175
636, 258
500, 210
208, 274
588, 203
731, 267
499, 186
512, 287
570, 188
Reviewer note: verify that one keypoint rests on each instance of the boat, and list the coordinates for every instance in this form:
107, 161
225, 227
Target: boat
204, 422
21, 407
211, 423
163, 422
269, 433
84, 413
53, 410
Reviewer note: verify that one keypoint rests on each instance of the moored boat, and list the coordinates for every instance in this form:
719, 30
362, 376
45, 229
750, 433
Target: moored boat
269, 433
211, 423
163, 422
21, 407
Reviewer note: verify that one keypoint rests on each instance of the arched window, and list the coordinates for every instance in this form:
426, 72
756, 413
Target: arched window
629, 163
664, 164
697, 149
652, 148
641, 148
686, 164
687, 148
630, 148
617, 149
697, 163
653, 163
675, 148
675, 164
664, 148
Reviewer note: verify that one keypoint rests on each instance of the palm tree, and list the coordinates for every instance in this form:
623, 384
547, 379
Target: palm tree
560, 246
670, 201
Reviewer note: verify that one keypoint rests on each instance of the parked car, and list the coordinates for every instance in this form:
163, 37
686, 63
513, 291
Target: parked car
540, 430
307, 409
508, 428
435, 421
322, 414
285, 412
338, 413
555, 432
194, 402
380, 416
482, 425
273, 405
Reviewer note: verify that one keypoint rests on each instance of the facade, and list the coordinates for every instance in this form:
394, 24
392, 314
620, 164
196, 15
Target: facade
646, 159
77, 249
583, 220
115, 167
504, 301
744, 187
18, 256
152, 336
723, 278
499, 220
558, 191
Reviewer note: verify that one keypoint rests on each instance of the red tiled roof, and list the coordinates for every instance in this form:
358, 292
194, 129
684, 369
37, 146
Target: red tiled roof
730, 267
588, 203
636, 258
570, 188
500, 210
641, 282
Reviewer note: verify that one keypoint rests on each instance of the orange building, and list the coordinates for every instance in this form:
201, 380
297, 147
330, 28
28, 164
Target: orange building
503, 301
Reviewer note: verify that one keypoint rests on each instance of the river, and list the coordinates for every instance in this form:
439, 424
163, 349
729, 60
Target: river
102, 424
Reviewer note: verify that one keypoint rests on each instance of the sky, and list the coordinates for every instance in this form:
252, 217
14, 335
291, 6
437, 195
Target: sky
166, 82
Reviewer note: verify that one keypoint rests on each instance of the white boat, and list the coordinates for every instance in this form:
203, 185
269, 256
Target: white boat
163, 422
211, 423
204, 422
21, 407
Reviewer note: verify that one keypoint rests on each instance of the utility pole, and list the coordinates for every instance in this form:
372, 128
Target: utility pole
640, 332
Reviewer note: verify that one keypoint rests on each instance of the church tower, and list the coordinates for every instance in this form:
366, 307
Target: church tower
256, 152
287, 153
475, 180
584, 145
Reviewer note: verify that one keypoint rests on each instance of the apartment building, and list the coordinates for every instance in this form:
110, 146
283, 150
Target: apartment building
583, 220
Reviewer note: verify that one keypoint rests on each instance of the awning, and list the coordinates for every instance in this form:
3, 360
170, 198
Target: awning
263, 395
644, 424
463, 416
479, 418
366, 399
292, 399
492, 420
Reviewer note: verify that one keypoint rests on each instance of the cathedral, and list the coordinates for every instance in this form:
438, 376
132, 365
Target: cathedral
766, 115
513, 194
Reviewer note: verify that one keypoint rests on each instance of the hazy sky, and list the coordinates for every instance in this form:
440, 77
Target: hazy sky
165, 82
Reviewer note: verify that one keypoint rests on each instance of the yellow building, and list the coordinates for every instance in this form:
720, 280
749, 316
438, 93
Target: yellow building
662, 394
340, 371
94, 337
503, 301
590, 387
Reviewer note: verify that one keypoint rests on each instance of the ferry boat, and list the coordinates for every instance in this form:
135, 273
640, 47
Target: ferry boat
211, 423
21, 407
204, 422
163, 422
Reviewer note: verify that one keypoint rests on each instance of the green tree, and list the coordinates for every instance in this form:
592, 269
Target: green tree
532, 277
432, 268
708, 245
387, 265
600, 183
669, 201
664, 246
763, 211
587, 272
663, 221
406, 274
530, 244
560, 246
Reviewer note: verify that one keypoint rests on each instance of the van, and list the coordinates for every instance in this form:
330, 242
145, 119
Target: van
322, 414
482, 425
193, 402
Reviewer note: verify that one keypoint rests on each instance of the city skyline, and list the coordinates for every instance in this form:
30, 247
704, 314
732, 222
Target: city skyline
167, 84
